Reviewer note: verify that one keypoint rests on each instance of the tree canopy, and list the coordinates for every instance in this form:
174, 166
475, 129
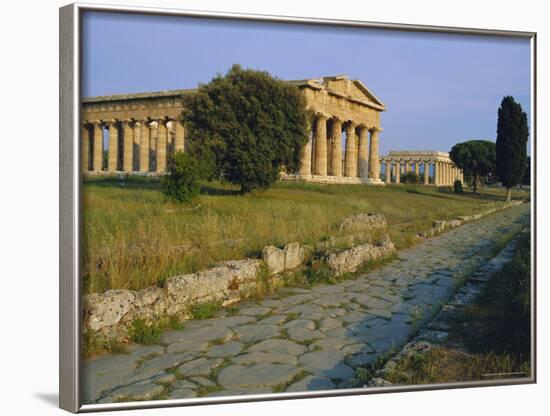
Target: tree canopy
511, 145
475, 157
527, 175
246, 126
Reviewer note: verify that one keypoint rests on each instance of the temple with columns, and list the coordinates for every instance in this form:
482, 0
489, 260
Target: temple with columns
139, 132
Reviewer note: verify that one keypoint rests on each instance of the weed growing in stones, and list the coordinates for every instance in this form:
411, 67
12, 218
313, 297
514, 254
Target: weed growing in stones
94, 343
204, 310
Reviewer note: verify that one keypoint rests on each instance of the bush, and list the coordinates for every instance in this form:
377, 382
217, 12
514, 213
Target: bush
410, 177
182, 182
246, 126
457, 186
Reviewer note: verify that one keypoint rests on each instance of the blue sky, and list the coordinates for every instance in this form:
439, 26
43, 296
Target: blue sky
439, 89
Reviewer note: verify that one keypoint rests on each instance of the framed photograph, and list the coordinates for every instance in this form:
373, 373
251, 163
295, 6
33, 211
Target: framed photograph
260, 207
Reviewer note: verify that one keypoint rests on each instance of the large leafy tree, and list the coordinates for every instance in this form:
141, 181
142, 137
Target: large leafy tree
475, 157
246, 126
512, 135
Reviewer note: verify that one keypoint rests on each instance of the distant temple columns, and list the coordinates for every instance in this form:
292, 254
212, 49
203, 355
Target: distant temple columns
443, 168
398, 171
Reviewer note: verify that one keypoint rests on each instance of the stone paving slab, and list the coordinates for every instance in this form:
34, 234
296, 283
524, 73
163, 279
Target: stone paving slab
312, 339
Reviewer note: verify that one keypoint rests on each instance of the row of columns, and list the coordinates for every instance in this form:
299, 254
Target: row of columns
131, 144
322, 155
444, 173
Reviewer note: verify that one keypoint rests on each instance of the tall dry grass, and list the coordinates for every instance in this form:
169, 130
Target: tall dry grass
133, 238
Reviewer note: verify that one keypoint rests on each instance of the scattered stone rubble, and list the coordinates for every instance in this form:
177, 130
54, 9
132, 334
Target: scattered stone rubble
442, 225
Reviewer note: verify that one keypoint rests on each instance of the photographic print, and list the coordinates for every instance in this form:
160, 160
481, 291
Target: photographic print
276, 208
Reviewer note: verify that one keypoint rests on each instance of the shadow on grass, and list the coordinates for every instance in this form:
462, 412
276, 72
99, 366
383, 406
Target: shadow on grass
211, 189
126, 182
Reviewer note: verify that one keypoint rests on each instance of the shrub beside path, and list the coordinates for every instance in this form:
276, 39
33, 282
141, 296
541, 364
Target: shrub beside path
302, 339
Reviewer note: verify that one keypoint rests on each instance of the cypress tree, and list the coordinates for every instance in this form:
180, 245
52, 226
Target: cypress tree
511, 144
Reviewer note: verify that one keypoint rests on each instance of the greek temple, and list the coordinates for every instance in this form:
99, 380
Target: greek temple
138, 133
444, 171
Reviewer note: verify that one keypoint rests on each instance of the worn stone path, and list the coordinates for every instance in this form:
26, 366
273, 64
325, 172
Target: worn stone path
304, 339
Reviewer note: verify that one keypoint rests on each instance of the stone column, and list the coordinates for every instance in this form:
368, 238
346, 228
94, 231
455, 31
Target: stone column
179, 139
374, 156
136, 151
388, 171
305, 164
144, 147
436, 173
351, 155
321, 145
336, 153
407, 166
85, 144
426, 173
398, 171
112, 165
364, 152
417, 168
97, 162
128, 150
162, 142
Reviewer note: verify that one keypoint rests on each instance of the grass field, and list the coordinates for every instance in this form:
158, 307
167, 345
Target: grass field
133, 238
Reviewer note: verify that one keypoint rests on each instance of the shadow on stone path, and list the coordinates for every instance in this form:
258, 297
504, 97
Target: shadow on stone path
312, 338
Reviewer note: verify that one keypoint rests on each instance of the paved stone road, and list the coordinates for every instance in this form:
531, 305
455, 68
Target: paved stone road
308, 339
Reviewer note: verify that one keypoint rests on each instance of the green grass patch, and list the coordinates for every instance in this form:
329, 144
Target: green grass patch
445, 365
204, 310
133, 238
149, 332
94, 343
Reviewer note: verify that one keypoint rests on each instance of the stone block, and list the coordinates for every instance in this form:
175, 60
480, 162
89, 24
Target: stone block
274, 258
108, 309
294, 256
352, 259
363, 222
